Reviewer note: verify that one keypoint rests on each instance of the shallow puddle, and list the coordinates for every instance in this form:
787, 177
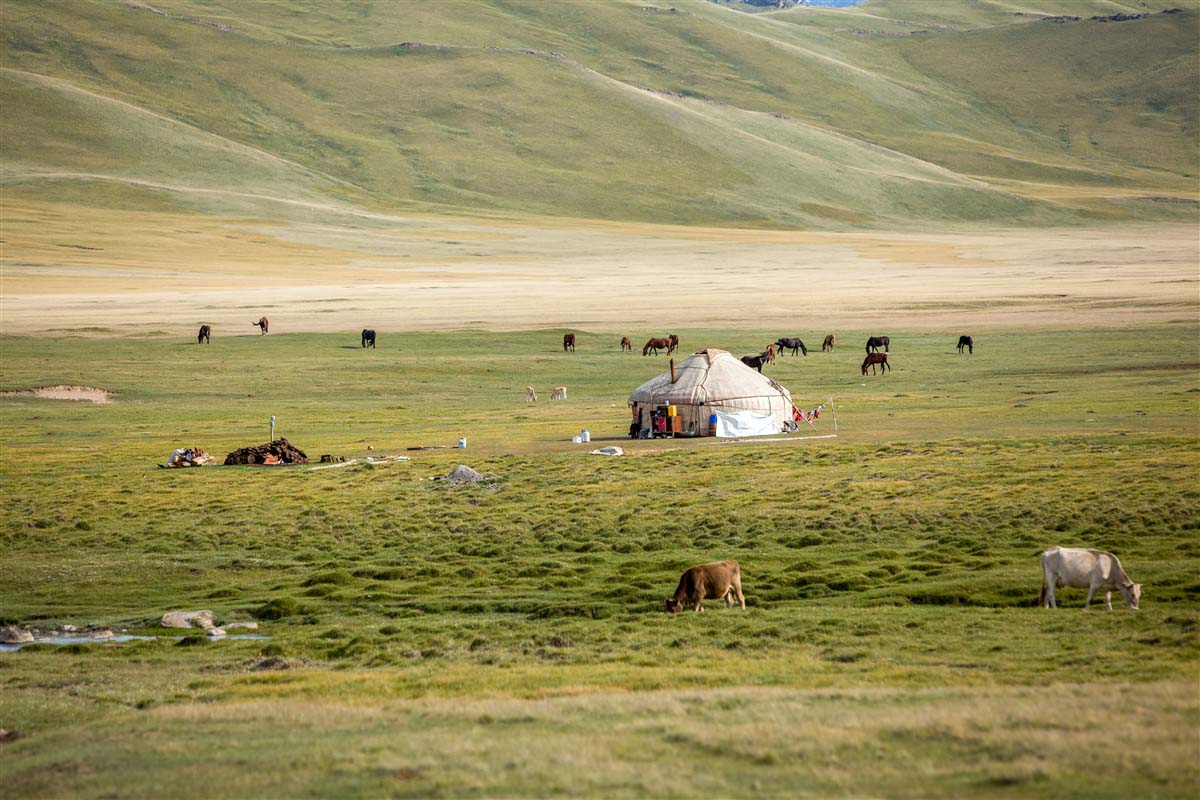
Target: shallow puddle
65, 640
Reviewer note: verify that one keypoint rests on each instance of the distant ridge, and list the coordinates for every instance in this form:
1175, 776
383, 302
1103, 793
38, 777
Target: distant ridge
679, 113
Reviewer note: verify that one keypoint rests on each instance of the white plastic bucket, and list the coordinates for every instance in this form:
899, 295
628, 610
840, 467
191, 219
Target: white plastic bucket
586, 435
577, 440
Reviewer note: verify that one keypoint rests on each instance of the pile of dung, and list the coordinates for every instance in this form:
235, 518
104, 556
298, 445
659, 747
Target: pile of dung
279, 451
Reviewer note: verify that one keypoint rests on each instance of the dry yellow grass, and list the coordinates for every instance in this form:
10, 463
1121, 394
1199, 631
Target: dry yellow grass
167, 271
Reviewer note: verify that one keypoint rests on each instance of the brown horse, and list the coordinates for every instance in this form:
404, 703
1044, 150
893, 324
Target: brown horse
674, 343
770, 353
568, 342
656, 345
827, 344
205, 336
263, 326
876, 342
626, 345
874, 359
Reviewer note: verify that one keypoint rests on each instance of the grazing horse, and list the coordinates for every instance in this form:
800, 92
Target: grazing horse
205, 336
770, 353
368, 338
967, 342
794, 344
263, 326
656, 345
626, 345
530, 395
875, 358
674, 343
568, 342
827, 344
755, 362
558, 393
876, 342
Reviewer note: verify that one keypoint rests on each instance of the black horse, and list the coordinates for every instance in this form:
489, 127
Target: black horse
368, 338
205, 336
967, 342
794, 344
756, 362
876, 342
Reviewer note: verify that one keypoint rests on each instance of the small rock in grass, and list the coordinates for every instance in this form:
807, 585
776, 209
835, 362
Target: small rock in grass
250, 626
104, 633
464, 474
11, 634
189, 619
215, 631
69, 629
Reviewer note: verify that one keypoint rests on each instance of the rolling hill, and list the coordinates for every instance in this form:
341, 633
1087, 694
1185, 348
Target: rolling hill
889, 114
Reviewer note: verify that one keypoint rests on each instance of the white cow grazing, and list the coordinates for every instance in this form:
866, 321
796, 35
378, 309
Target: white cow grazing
1082, 568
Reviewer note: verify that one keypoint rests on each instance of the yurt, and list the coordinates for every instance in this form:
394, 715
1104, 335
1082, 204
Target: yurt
711, 383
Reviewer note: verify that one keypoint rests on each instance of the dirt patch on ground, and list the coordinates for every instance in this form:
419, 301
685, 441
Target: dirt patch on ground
64, 392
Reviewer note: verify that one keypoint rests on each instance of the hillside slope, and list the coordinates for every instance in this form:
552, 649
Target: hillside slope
686, 114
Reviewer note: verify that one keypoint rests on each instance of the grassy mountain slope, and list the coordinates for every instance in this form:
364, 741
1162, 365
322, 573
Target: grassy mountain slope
614, 110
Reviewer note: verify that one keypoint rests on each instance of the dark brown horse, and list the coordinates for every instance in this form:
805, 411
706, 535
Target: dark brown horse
876, 342
674, 343
626, 345
655, 345
827, 344
205, 336
874, 359
967, 342
794, 344
368, 338
568, 342
263, 326
756, 362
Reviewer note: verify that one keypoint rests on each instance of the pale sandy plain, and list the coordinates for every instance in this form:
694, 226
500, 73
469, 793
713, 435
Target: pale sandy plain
120, 273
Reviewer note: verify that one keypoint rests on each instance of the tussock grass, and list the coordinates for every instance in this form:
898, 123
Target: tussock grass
891, 570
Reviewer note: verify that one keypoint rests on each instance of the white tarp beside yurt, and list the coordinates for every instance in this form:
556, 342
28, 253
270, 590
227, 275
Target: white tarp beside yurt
708, 382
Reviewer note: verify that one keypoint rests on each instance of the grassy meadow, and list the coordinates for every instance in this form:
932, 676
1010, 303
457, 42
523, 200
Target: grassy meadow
509, 639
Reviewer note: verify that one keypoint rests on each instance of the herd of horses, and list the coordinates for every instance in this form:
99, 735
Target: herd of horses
875, 360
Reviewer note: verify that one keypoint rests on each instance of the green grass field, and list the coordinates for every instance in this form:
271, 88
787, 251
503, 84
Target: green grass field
509, 639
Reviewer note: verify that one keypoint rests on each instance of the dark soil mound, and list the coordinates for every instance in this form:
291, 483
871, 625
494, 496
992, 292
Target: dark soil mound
279, 451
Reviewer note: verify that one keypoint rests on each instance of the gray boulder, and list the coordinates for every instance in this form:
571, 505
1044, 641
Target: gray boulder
464, 474
11, 634
189, 619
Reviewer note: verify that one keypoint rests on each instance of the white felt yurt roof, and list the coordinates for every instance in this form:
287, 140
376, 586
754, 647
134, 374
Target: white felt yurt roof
714, 378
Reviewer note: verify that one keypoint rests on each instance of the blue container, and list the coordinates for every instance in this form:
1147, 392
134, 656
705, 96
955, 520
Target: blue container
712, 419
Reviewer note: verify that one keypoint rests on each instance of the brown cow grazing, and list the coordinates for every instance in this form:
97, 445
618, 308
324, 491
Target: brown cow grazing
720, 579
205, 336
827, 344
876, 358
263, 326
568, 342
626, 345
